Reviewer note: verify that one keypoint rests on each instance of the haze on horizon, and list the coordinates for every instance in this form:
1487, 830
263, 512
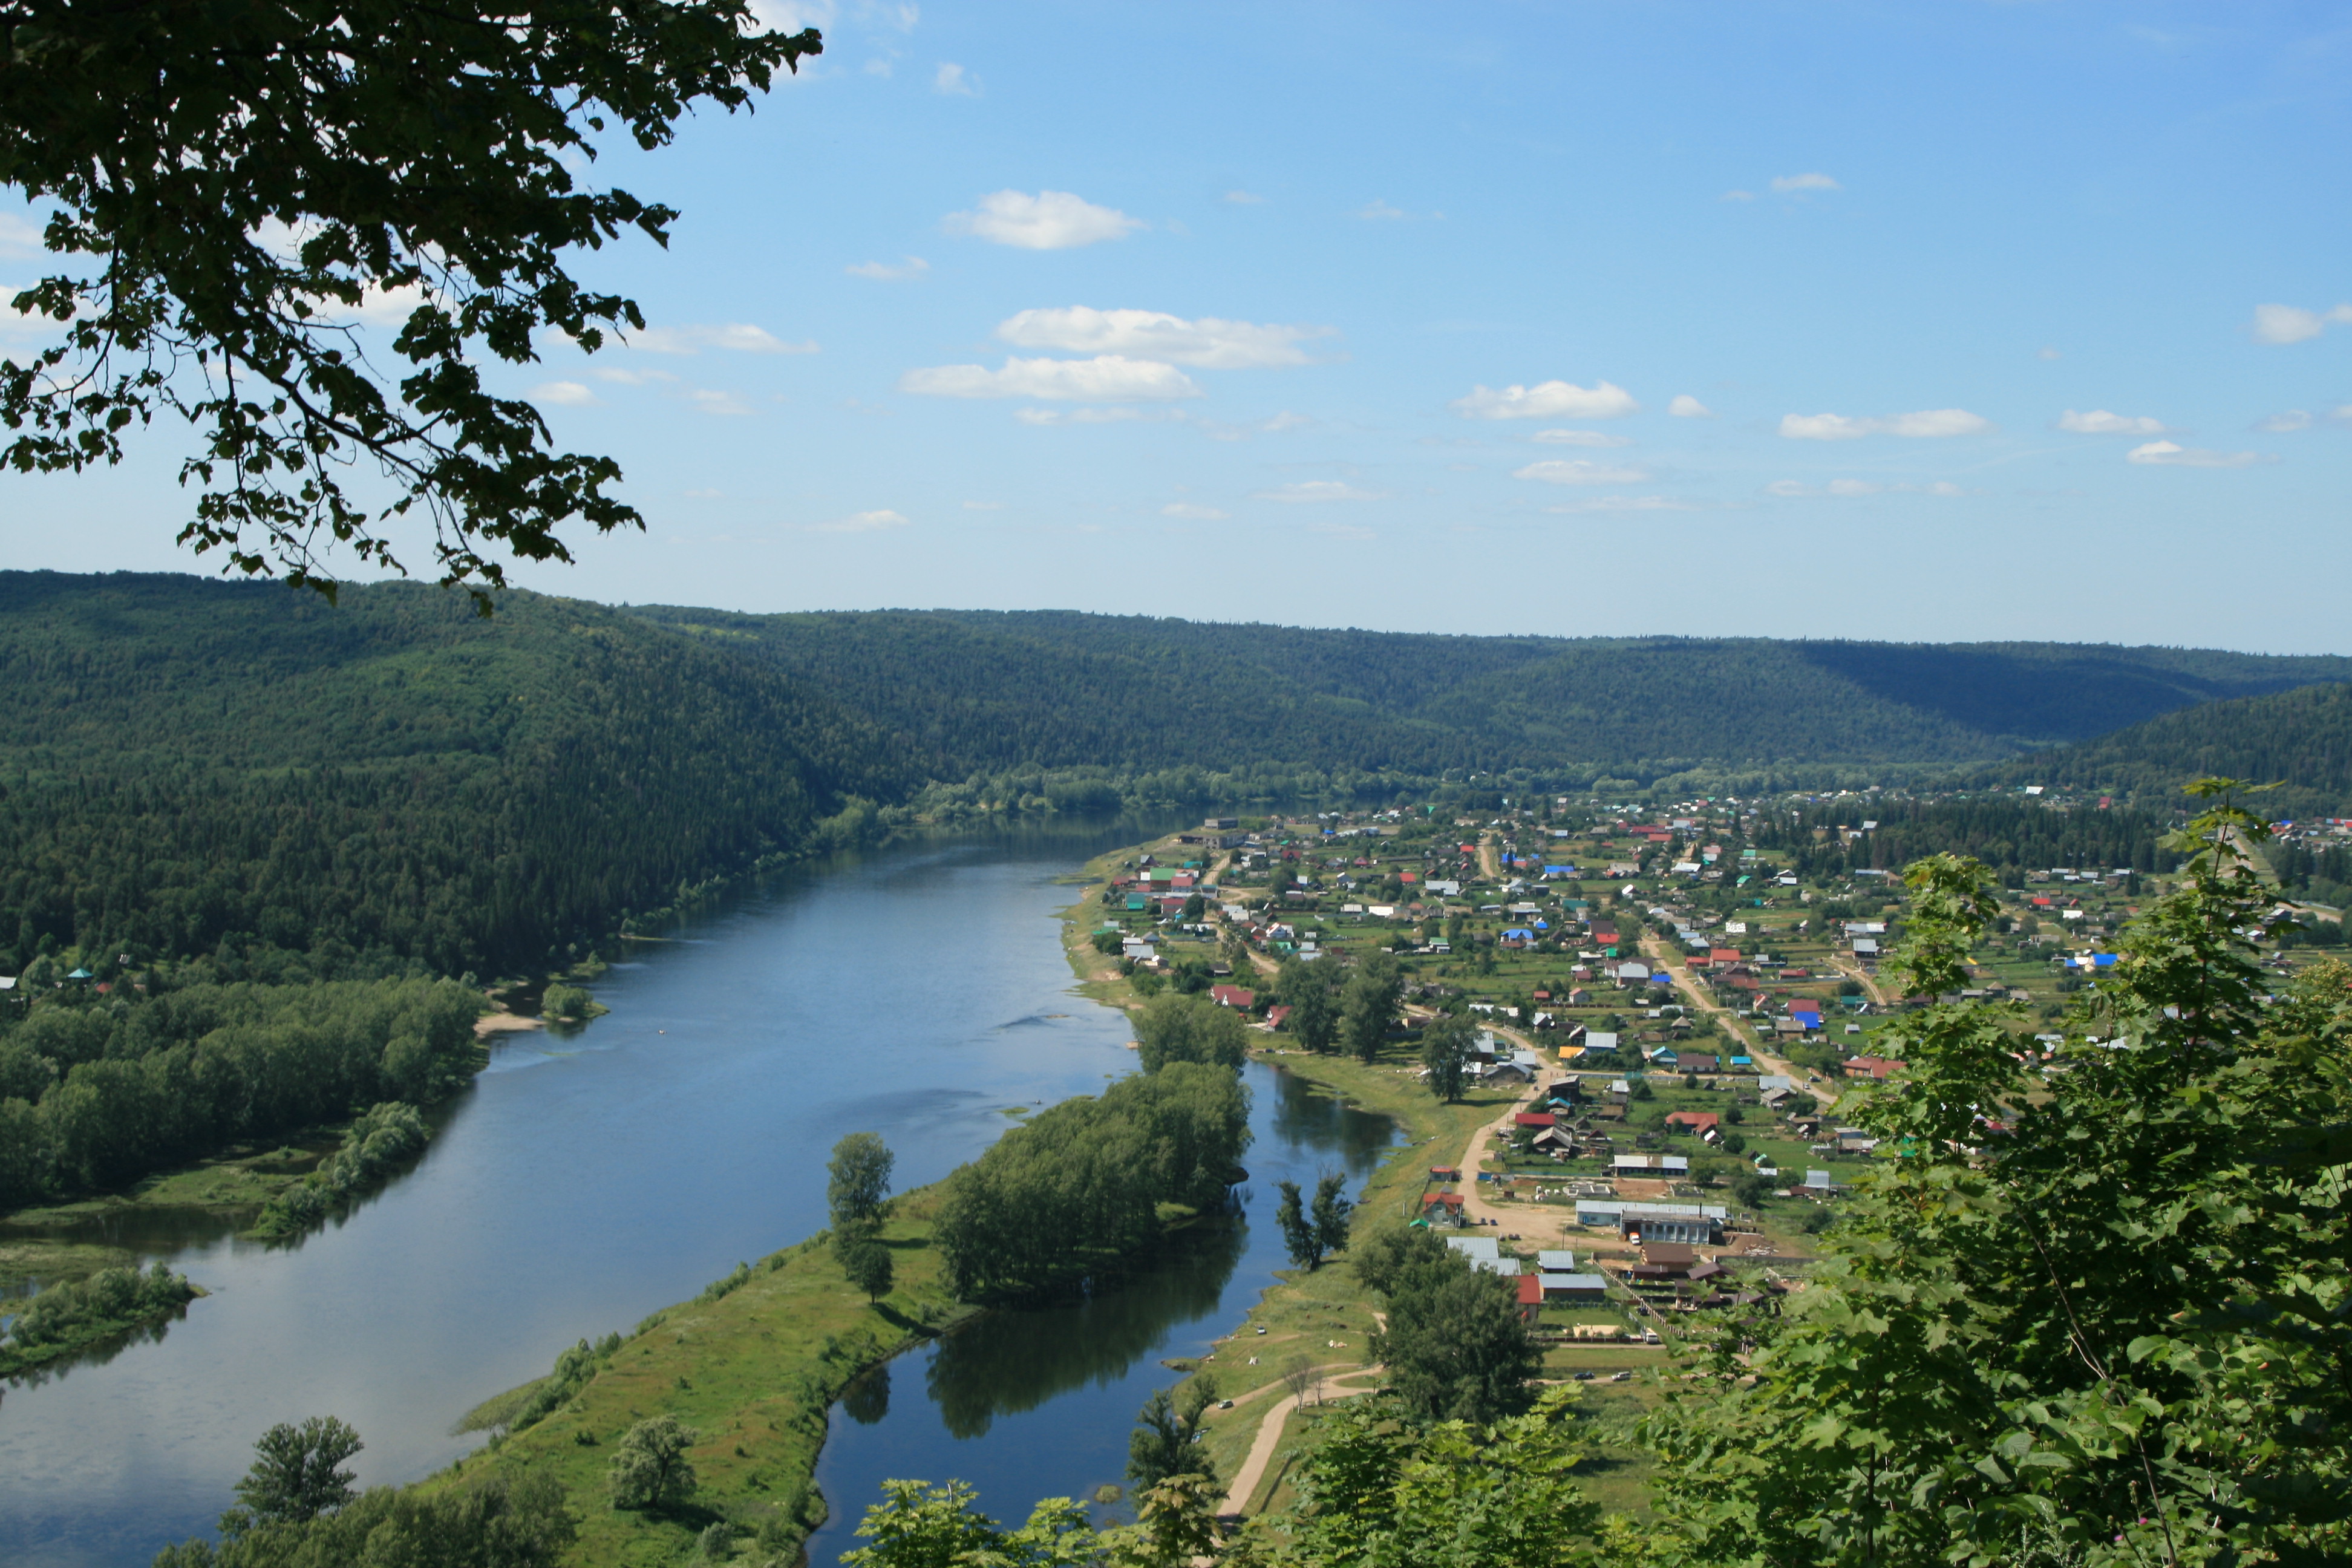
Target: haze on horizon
1961, 323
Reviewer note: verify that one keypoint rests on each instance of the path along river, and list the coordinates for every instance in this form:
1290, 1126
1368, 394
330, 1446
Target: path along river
917, 991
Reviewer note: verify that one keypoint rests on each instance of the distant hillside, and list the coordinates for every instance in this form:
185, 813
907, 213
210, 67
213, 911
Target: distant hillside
184, 762
986, 690
2302, 738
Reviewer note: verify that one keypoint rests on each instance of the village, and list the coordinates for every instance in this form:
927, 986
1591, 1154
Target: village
1667, 1018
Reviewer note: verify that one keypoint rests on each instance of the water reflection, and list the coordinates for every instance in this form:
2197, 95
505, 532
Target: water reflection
868, 1400
1010, 1361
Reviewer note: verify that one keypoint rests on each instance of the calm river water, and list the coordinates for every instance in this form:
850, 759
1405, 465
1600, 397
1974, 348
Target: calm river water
580, 1184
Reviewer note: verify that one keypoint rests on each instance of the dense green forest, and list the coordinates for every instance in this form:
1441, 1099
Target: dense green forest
98, 1091
1090, 1182
2007, 834
189, 766
994, 691
2300, 738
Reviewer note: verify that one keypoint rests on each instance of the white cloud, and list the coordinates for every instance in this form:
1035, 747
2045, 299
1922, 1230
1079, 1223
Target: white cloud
1547, 400
861, 523
1579, 472
620, 377
724, 403
1286, 420
740, 337
1112, 415
1320, 491
1245, 199
955, 81
2046, 353
1737, 197
1787, 183
1050, 220
2283, 424
1580, 438
2282, 324
2099, 422
1686, 407
19, 236
564, 394
1929, 422
1208, 343
1106, 378
1341, 531
1196, 513
1630, 503
882, 271
2171, 455
1380, 211
793, 16
983, 506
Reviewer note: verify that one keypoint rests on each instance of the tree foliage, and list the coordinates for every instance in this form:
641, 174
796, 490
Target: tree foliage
857, 1181
296, 1474
650, 1471
1445, 1044
1082, 1186
2098, 1300
503, 1519
231, 190
1166, 1442
1455, 1346
1175, 1027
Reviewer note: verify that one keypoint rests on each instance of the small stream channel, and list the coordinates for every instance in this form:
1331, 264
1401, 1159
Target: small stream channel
920, 992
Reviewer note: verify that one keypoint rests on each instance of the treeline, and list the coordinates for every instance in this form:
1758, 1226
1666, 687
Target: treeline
97, 1092
991, 691
375, 1144
193, 767
2006, 834
2300, 738
67, 1316
1091, 1180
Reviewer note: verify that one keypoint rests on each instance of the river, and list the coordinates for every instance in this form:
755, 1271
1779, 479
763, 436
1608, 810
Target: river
918, 991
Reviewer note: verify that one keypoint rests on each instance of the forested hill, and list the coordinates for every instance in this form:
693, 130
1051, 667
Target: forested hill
185, 762
987, 689
2301, 739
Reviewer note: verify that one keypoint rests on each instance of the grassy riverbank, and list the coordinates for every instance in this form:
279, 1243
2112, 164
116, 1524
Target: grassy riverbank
752, 1372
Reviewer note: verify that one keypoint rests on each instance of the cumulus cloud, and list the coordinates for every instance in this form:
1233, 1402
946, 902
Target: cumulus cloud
1579, 472
1580, 438
562, 394
1787, 183
620, 377
1547, 400
2172, 455
1737, 197
955, 81
983, 506
1196, 513
1686, 407
1320, 491
1050, 220
1929, 422
2282, 324
740, 337
1106, 378
2294, 420
882, 271
722, 403
1381, 211
1245, 199
861, 523
2099, 422
2046, 353
1207, 342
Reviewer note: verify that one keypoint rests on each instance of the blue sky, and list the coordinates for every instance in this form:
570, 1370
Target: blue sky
1948, 320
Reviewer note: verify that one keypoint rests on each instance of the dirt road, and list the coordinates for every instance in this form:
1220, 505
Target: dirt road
1269, 1431
1730, 1021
